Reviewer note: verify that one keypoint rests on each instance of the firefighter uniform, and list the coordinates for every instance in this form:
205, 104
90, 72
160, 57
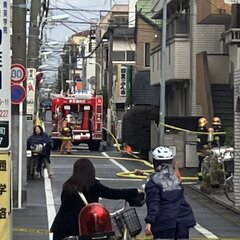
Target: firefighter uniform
202, 143
218, 139
66, 133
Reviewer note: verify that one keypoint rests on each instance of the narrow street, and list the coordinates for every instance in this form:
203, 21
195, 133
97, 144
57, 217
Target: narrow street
213, 220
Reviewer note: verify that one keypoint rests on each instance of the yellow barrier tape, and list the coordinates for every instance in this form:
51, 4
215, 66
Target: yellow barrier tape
31, 230
189, 131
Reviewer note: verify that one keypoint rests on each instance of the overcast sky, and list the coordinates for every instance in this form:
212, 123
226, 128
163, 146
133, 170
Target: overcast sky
61, 33
82, 13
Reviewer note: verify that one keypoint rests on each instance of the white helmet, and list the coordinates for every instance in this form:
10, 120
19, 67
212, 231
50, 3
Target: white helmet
163, 154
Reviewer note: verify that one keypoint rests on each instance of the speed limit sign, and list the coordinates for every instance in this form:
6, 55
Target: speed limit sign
18, 73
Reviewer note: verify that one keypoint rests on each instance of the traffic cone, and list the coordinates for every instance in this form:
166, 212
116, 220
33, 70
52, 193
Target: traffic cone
177, 171
128, 149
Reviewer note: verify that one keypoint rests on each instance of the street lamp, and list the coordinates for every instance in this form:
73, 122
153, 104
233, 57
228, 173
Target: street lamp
57, 18
100, 70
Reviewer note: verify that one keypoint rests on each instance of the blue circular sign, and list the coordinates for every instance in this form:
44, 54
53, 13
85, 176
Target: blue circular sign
18, 93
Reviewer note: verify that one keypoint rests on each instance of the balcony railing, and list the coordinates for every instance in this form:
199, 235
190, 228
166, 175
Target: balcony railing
232, 36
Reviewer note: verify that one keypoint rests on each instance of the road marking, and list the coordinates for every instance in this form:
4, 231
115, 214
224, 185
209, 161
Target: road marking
205, 232
198, 227
51, 211
120, 179
115, 162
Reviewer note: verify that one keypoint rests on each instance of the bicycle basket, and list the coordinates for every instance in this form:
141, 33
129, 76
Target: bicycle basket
117, 225
132, 221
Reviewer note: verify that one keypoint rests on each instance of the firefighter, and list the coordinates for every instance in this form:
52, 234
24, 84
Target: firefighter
202, 143
218, 139
67, 137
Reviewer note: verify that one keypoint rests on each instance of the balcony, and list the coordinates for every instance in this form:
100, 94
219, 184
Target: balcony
213, 12
232, 36
174, 6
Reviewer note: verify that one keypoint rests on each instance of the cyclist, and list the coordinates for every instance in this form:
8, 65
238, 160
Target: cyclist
40, 144
169, 216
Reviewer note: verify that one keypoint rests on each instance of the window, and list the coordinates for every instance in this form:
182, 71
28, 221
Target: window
130, 56
147, 54
118, 56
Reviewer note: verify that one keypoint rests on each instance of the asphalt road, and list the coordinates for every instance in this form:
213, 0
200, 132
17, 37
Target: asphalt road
214, 221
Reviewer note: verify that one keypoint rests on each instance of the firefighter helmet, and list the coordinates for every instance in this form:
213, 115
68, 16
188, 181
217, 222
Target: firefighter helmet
216, 121
202, 122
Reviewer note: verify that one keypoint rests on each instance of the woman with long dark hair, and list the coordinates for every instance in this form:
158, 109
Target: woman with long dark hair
83, 180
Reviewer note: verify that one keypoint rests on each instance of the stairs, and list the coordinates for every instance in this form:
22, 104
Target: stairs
223, 103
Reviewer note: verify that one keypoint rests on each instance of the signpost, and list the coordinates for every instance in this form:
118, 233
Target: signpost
5, 77
5, 120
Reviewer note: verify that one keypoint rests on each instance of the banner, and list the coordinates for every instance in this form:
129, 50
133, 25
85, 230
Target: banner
31, 84
5, 196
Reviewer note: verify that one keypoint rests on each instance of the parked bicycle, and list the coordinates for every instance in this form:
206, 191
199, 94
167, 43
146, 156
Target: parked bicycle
218, 171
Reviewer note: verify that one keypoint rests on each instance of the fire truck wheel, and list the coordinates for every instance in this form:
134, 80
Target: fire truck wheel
94, 146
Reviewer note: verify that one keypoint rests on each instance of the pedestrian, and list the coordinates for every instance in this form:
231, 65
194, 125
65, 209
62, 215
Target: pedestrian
83, 180
169, 216
66, 132
40, 144
202, 144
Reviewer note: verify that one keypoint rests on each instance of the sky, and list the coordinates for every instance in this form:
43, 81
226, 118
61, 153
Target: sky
82, 13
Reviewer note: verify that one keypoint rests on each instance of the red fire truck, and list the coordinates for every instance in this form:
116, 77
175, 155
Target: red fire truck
84, 114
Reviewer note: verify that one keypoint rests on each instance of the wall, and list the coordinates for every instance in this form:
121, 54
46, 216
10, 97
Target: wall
218, 69
212, 11
204, 38
145, 33
237, 139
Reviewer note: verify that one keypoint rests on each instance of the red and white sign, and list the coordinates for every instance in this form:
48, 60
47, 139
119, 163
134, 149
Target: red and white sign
18, 73
30, 88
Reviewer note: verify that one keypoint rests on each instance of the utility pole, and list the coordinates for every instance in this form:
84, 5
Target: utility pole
163, 74
84, 70
18, 56
110, 77
33, 42
33, 63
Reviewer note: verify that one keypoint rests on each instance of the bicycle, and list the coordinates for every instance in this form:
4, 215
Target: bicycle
218, 170
125, 223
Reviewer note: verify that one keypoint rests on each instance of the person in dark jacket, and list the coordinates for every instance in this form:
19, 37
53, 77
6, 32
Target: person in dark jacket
83, 180
40, 144
169, 216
